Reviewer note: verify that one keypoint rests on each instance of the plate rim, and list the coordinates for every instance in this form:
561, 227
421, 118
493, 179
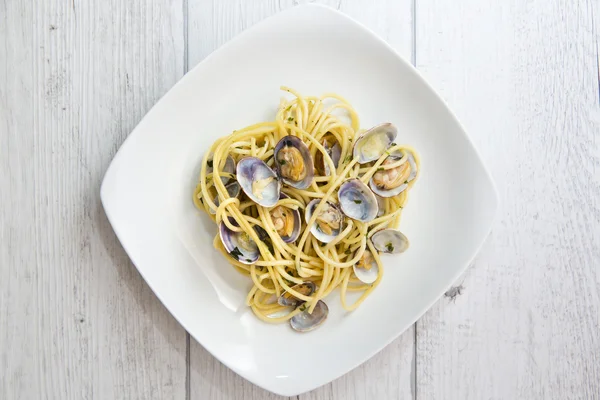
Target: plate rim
105, 194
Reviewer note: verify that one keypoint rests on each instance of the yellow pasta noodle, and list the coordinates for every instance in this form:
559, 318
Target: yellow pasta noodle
283, 267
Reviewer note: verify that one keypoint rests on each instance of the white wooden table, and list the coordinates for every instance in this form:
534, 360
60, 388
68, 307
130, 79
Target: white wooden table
78, 322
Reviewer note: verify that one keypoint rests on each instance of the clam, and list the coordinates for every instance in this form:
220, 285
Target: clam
304, 321
366, 269
380, 205
228, 168
328, 223
390, 241
373, 143
287, 299
293, 162
258, 181
239, 245
287, 222
393, 181
233, 190
357, 201
334, 150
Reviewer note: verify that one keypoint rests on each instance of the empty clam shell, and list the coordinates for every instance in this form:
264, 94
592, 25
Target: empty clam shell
258, 181
329, 222
366, 269
390, 241
373, 143
305, 322
357, 201
229, 168
233, 190
287, 299
293, 162
239, 245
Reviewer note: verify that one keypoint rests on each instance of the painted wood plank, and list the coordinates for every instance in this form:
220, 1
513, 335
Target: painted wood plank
76, 319
211, 24
523, 77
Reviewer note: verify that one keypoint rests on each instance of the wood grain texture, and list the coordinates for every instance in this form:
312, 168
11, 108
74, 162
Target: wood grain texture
76, 319
523, 77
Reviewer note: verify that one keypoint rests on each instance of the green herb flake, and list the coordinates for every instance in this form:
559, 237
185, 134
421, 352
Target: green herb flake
290, 119
389, 247
348, 158
209, 163
380, 169
392, 144
348, 251
357, 201
235, 253
282, 162
303, 307
248, 260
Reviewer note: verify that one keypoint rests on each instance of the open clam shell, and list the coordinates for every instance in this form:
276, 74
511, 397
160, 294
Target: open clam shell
305, 322
287, 221
373, 143
392, 182
328, 224
366, 270
233, 190
357, 201
239, 245
293, 162
334, 150
229, 168
390, 241
258, 181
287, 299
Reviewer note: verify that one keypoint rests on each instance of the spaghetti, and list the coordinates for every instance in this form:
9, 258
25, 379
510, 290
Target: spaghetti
295, 200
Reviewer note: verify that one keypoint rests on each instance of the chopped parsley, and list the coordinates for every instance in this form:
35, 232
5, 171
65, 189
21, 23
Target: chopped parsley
392, 144
357, 201
380, 169
303, 307
347, 251
248, 260
282, 162
406, 182
389, 247
348, 158
209, 163
290, 119
236, 253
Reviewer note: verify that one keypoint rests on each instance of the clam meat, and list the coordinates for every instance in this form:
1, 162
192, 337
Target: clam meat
293, 162
328, 223
366, 269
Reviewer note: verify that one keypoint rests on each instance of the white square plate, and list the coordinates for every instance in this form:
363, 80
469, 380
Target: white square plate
148, 187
